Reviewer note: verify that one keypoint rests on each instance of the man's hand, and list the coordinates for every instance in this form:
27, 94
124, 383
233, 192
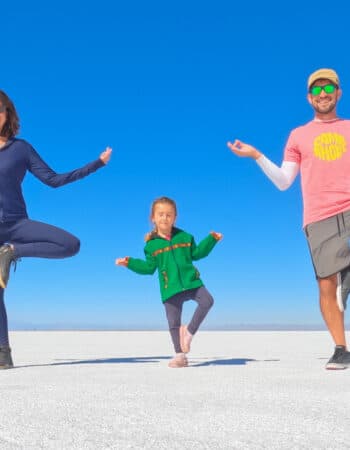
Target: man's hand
239, 148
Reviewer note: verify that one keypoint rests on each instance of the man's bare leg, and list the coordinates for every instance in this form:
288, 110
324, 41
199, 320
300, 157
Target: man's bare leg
332, 316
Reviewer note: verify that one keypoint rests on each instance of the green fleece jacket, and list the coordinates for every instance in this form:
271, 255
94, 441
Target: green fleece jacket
173, 259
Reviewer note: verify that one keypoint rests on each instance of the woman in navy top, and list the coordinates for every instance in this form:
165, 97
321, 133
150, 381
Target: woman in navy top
20, 236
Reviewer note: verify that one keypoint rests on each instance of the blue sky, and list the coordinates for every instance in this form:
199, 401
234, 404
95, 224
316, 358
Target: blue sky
166, 85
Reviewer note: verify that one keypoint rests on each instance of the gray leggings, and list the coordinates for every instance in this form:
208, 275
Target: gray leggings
173, 309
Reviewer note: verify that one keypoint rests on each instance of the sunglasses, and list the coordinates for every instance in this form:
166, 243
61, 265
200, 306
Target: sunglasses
328, 89
2, 108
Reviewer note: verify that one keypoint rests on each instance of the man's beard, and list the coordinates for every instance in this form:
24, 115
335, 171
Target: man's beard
330, 108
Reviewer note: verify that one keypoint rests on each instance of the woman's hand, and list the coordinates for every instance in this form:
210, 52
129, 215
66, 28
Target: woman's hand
105, 156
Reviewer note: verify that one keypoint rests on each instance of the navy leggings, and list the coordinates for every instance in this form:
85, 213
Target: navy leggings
173, 309
36, 239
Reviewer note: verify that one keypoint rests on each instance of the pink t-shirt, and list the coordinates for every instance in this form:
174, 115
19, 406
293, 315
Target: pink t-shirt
321, 150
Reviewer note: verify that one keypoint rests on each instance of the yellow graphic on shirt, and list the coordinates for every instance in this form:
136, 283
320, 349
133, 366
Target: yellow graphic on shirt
329, 146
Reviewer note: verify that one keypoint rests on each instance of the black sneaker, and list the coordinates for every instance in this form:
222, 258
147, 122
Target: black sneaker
7, 257
340, 359
5, 358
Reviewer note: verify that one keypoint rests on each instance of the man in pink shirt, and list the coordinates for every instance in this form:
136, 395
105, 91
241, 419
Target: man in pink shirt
319, 151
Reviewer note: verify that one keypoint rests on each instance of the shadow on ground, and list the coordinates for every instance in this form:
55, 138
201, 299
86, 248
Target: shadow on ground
228, 362
149, 359
67, 362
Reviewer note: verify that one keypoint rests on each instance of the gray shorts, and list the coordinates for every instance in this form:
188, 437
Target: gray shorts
328, 242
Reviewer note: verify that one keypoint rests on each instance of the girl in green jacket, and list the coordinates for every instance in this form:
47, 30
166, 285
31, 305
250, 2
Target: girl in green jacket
171, 251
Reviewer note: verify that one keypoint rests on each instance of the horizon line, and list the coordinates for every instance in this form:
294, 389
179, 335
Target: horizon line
245, 327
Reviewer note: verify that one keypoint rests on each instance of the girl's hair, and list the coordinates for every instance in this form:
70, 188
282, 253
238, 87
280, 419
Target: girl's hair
156, 202
11, 126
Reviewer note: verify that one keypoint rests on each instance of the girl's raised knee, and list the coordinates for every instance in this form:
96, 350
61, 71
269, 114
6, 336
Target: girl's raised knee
210, 302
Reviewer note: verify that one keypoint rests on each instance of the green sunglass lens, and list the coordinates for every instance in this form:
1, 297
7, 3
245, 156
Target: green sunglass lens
329, 88
316, 90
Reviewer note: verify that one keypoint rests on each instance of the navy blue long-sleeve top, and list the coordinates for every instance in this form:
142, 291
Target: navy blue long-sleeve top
16, 158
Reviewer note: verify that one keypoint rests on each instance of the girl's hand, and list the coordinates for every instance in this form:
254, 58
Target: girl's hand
122, 261
239, 148
217, 236
105, 156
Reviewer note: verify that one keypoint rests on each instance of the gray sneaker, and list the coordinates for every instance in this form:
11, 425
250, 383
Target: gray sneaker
7, 257
343, 288
340, 359
5, 358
